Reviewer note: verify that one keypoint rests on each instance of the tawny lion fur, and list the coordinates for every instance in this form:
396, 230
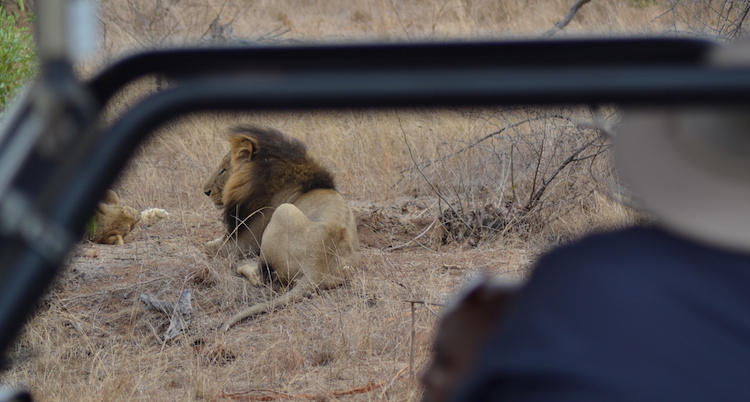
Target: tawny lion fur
278, 202
214, 187
113, 221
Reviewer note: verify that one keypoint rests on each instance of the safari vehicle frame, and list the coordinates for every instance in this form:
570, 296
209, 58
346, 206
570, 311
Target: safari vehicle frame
57, 157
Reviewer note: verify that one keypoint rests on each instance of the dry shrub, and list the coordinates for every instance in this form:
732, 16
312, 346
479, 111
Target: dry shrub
520, 172
712, 19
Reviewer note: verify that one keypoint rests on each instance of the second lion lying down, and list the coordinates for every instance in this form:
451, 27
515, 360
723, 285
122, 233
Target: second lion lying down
278, 202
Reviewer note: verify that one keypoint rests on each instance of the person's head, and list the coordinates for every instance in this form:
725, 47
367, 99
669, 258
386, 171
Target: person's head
690, 166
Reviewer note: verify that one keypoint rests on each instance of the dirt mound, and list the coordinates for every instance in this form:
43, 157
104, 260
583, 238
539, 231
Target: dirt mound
398, 225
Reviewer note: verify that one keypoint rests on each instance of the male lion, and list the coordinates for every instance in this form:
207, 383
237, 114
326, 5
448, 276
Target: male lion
278, 202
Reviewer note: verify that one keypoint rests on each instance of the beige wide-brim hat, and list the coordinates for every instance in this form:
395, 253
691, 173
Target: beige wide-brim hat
690, 167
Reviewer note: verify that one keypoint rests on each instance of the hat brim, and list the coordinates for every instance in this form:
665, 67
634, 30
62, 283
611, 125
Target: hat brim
685, 196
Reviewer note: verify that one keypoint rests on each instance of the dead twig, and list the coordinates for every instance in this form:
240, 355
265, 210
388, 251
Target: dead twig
411, 341
271, 395
426, 303
573, 157
414, 239
413, 335
480, 140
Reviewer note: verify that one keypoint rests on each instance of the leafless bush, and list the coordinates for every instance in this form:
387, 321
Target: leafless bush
155, 23
715, 19
533, 168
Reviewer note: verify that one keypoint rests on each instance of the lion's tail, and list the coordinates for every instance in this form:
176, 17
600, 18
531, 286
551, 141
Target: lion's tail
302, 289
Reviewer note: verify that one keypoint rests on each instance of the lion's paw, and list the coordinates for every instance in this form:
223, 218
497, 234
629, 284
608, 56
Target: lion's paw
214, 246
152, 215
251, 271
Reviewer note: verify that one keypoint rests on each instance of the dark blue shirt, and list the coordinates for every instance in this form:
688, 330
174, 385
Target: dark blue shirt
635, 315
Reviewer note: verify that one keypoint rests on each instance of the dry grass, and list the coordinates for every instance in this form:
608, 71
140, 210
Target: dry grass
403, 169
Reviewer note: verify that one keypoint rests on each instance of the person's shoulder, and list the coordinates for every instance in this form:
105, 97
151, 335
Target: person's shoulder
638, 244
636, 235
609, 256
623, 243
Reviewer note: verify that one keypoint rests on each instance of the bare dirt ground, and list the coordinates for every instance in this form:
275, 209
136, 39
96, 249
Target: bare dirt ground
358, 342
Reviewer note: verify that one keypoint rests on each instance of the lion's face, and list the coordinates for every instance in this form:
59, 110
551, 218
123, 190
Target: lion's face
214, 187
112, 221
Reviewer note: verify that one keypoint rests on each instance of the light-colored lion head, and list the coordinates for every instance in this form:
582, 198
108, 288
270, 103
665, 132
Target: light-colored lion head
214, 187
112, 221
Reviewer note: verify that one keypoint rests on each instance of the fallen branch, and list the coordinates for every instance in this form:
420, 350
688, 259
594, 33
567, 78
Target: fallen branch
565, 21
180, 313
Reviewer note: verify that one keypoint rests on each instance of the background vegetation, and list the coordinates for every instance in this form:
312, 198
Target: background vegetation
439, 194
17, 58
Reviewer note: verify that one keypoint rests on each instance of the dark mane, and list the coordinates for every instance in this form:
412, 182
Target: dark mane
280, 162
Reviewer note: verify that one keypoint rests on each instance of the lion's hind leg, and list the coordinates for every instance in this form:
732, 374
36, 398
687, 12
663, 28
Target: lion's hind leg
290, 243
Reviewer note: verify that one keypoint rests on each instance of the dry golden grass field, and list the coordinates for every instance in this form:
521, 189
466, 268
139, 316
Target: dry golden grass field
439, 196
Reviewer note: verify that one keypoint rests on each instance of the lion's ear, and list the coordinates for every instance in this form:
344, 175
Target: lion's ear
243, 147
111, 198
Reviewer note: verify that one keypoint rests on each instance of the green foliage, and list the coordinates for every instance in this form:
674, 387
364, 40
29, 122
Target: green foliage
18, 61
92, 226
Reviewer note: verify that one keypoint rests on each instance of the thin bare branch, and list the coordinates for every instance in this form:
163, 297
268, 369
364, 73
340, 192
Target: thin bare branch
545, 183
565, 21
414, 161
484, 138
